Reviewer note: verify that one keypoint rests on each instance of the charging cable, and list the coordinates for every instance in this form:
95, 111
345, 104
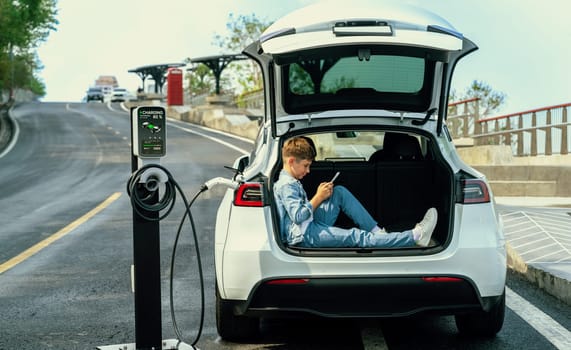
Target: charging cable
151, 176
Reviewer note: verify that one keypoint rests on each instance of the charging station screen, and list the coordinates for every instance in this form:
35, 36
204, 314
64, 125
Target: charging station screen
151, 131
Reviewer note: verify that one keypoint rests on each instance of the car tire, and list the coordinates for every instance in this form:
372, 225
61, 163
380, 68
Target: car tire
483, 323
233, 327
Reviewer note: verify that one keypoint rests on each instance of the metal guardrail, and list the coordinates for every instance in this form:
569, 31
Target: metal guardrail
541, 131
462, 117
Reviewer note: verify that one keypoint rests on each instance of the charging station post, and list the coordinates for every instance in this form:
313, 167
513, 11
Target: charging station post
148, 135
148, 138
149, 144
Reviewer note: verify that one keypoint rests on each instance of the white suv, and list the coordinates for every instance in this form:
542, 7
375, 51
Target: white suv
369, 85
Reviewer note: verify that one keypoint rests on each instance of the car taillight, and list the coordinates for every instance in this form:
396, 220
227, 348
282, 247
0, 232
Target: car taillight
474, 191
249, 194
442, 279
288, 281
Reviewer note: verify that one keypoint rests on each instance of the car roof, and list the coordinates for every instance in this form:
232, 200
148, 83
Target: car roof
311, 27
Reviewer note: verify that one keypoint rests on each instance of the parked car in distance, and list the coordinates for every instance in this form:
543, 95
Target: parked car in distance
95, 93
120, 95
369, 85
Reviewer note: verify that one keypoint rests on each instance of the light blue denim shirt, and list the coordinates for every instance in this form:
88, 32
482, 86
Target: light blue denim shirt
294, 209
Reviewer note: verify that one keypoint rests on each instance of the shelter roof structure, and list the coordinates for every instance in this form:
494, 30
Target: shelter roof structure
157, 72
217, 64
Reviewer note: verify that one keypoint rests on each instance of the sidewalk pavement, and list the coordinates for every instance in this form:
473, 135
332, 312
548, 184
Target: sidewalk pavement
555, 202
554, 276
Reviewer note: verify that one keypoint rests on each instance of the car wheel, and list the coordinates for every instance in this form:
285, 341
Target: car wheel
233, 327
483, 323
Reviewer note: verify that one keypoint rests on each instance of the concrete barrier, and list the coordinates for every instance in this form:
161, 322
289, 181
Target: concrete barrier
231, 120
537, 176
541, 276
529, 180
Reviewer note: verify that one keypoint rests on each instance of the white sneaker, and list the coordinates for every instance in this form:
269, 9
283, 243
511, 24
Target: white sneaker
424, 229
378, 230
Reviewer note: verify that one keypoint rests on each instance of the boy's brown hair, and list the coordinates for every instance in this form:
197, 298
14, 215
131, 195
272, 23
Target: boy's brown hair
300, 147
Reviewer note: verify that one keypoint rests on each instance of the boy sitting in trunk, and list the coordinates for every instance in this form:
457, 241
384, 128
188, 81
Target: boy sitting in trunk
309, 222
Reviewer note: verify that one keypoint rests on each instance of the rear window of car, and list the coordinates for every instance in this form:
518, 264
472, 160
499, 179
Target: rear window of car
381, 73
356, 78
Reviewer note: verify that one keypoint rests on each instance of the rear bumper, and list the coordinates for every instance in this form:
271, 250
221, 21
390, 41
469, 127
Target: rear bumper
363, 297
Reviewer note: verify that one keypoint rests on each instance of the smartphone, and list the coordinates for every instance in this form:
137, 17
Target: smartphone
335, 176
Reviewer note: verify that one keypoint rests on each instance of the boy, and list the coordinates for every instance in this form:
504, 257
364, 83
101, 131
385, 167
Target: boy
309, 222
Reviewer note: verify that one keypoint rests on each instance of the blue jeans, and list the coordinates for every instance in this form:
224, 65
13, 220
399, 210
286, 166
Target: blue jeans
322, 233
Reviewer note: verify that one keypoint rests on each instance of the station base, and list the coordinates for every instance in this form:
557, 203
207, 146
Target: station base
169, 344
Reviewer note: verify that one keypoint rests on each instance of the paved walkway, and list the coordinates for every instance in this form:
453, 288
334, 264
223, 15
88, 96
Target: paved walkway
539, 240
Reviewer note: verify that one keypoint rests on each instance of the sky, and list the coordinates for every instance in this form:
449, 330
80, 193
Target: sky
524, 45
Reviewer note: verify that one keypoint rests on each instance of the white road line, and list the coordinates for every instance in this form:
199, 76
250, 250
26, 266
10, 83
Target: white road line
511, 219
563, 259
7, 265
556, 225
109, 107
563, 236
547, 233
533, 243
520, 223
554, 332
556, 216
174, 122
519, 235
513, 213
544, 257
229, 145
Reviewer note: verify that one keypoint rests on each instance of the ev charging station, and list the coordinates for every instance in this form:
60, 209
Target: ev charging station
148, 135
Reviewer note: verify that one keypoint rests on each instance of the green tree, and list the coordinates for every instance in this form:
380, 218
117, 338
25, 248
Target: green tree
200, 80
490, 100
242, 31
24, 25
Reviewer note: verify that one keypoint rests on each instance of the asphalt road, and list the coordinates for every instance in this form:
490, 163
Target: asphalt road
65, 178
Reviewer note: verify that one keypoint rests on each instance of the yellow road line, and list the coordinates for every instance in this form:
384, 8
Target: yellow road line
64, 231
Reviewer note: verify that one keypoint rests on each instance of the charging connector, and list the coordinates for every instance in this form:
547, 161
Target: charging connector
152, 177
232, 184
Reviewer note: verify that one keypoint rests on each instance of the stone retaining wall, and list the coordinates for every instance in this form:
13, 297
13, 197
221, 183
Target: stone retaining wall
6, 127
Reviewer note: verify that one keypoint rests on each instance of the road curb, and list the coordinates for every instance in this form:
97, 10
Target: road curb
552, 284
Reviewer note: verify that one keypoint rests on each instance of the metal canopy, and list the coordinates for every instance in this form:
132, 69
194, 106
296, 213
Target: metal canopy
217, 64
157, 72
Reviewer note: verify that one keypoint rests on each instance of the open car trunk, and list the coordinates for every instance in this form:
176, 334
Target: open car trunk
396, 176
